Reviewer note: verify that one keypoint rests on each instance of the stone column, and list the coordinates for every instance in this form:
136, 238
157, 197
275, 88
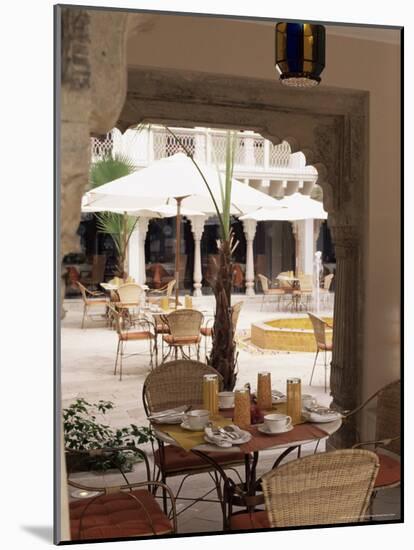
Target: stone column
347, 329
200, 152
197, 227
304, 246
248, 141
249, 227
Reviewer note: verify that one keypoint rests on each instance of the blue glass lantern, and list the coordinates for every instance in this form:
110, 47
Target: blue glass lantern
300, 53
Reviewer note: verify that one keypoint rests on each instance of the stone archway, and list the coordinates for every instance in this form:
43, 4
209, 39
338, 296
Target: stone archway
329, 127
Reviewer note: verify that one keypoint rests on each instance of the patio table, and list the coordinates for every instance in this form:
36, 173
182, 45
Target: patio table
301, 434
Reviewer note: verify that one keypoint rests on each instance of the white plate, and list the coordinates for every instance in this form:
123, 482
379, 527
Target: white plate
262, 428
320, 418
245, 437
187, 427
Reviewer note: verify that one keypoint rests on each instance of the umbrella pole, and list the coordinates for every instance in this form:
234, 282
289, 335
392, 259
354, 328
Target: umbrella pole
177, 249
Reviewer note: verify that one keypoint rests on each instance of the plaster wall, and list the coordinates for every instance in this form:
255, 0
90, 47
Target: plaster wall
247, 49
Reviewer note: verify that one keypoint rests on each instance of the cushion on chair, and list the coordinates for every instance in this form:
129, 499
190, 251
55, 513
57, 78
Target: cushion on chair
325, 347
252, 520
136, 335
181, 340
277, 291
117, 515
163, 328
389, 471
206, 331
96, 302
177, 459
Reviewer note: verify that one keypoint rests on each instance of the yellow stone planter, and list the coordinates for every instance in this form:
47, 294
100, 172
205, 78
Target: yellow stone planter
291, 334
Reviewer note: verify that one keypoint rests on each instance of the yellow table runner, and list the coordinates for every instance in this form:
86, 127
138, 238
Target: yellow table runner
188, 439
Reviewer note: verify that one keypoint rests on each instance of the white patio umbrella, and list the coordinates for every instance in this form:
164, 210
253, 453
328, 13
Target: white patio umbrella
176, 178
292, 208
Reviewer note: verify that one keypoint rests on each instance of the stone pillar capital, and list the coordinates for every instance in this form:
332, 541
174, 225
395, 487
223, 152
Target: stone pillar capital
197, 226
346, 239
249, 228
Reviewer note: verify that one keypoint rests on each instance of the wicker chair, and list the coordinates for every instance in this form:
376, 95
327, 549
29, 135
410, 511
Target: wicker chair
127, 510
92, 299
322, 342
267, 291
321, 489
174, 384
207, 330
144, 330
305, 288
96, 273
130, 296
184, 331
154, 295
387, 434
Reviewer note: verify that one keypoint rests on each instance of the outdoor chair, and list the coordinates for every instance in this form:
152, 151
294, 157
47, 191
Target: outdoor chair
144, 330
130, 298
387, 434
92, 299
207, 330
305, 288
126, 510
184, 326
175, 384
322, 342
267, 291
321, 489
155, 295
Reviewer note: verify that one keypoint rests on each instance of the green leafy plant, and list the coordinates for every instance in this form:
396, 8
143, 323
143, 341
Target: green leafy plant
223, 354
119, 226
82, 432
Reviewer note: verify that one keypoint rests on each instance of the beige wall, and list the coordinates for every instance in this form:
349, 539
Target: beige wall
247, 49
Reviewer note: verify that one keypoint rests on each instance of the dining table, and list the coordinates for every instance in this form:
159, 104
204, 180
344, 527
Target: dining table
246, 494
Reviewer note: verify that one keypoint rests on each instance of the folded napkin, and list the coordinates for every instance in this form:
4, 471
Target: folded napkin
169, 415
222, 439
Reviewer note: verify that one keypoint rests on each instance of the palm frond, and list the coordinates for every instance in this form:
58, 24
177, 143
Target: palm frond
109, 168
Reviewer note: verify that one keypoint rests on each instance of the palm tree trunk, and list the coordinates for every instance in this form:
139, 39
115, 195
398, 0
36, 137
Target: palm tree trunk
222, 356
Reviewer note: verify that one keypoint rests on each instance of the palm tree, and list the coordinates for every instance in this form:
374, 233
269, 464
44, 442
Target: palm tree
223, 354
119, 226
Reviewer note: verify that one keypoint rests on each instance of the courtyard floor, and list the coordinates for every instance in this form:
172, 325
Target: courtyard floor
88, 357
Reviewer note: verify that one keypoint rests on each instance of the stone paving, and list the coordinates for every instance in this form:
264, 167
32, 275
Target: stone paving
88, 357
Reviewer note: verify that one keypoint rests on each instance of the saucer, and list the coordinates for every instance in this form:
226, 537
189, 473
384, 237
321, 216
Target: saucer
262, 428
186, 426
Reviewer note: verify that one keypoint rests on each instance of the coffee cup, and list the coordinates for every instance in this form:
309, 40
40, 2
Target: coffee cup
277, 422
308, 401
197, 419
226, 399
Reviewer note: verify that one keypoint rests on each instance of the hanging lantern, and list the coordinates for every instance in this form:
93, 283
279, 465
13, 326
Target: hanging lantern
300, 53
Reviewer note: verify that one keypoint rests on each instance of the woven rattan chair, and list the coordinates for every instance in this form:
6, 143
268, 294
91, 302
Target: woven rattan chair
91, 300
155, 295
130, 297
184, 332
96, 273
267, 291
321, 489
305, 288
143, 330
174, 384
387, 434
322, 343
126, 510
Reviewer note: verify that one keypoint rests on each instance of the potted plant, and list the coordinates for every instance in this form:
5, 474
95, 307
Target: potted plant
82, 432
119, 226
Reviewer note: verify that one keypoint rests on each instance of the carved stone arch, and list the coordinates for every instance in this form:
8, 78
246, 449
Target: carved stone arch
329, 126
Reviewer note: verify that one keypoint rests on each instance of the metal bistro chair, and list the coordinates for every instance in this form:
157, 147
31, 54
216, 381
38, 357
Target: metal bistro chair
184, 326
387, 435
144, 330
92, 299
175, 384
267, 291
126, 510
155, 295
322, 342
321, 489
